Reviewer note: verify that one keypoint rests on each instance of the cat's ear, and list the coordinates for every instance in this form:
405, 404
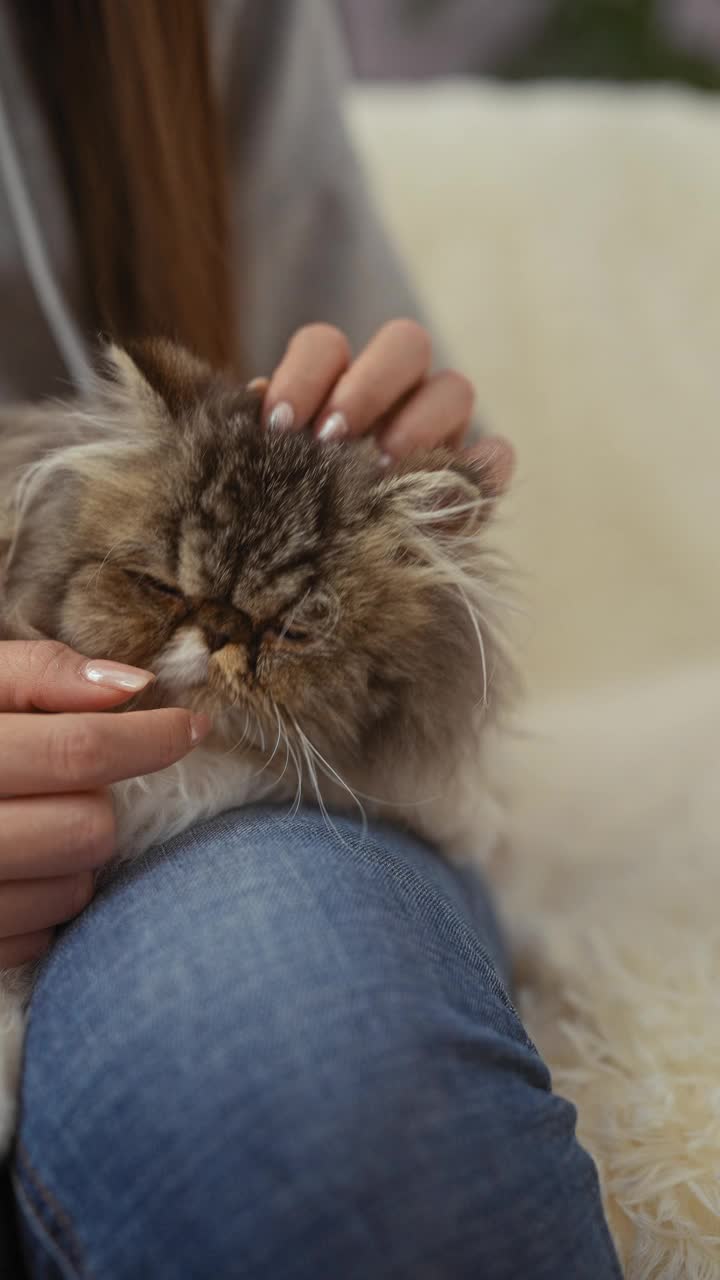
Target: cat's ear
159, 374
448, 492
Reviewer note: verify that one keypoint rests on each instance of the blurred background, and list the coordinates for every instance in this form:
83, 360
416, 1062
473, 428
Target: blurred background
675, 40
550, 172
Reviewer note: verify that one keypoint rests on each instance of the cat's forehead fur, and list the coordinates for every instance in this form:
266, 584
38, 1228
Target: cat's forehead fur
235, 507
271, 497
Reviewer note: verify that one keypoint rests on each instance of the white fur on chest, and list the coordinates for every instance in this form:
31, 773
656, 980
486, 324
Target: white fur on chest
209, 781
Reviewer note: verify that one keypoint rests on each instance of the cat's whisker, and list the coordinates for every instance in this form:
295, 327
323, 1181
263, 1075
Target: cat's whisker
297, 761
243, 739
92, 581
290, 753
271, 757
458, 564
481, 643
330, 772
282, 736
399, 804
307, 750
287, 625
281, 733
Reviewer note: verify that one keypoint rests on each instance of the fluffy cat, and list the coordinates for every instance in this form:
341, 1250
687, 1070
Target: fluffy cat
336, 620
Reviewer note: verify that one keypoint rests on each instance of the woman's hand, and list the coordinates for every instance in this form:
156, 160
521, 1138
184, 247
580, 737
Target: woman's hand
56, 815
387, 389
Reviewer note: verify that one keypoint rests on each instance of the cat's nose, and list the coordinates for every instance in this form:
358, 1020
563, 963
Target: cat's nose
216, 640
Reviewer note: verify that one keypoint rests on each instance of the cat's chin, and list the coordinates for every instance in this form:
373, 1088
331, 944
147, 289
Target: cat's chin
236, 722
218, 703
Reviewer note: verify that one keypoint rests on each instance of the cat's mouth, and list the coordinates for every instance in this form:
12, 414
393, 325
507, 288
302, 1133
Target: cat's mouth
193, 661
224, 683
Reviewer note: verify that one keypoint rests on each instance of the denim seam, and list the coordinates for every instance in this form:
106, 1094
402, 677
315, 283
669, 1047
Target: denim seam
60, 1228
468, 946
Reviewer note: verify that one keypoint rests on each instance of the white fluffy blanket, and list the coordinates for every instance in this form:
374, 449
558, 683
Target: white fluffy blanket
568, 243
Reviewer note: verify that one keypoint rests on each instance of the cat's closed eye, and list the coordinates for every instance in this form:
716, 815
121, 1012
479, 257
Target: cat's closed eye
142, 579
294, 634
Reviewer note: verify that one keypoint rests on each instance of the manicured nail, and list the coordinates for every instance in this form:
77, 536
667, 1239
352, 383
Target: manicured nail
258, 384
334, 428
199, 727
385, 460
115, 675
282, 417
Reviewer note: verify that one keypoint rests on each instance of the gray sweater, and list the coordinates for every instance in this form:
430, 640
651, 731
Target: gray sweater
300, 207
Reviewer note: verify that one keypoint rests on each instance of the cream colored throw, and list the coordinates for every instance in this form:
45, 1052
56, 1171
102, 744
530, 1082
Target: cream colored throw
567, 241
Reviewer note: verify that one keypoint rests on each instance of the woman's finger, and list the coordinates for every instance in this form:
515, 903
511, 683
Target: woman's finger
28, 906
41, 755
55, 835
395, 361
24, 948
440, 410
316, 357
44, 675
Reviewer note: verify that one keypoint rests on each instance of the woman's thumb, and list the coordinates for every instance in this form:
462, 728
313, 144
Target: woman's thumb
43, 675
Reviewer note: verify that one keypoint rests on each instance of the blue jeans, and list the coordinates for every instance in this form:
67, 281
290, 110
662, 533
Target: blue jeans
265, 1053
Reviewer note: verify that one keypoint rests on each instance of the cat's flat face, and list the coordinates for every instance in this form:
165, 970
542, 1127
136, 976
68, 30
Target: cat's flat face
254, 570
254, 573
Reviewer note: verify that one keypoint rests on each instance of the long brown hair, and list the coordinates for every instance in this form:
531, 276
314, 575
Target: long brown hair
127, 90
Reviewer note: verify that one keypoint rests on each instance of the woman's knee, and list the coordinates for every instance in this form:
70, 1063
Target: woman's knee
376, 1132
310, 1061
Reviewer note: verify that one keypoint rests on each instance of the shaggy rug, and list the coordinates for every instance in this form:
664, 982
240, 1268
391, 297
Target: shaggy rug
567, 242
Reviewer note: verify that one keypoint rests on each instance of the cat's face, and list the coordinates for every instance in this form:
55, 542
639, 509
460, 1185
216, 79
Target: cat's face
263, 577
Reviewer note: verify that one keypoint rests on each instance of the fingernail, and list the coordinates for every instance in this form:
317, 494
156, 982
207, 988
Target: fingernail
385, 460
115, 675
258, 384
334, 428
282, 417
199, 727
